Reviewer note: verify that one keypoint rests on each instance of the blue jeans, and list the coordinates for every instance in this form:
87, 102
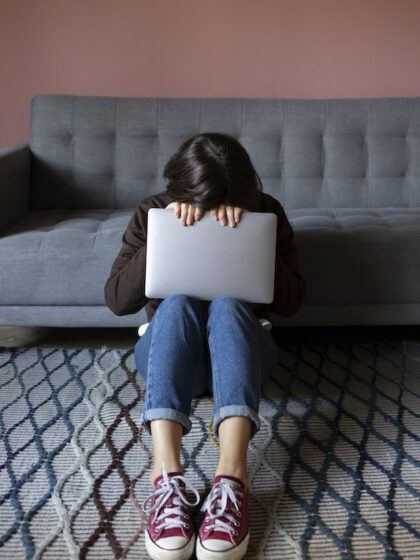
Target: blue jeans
189, 351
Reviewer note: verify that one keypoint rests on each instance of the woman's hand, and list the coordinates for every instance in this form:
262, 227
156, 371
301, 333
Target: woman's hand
225, 214
189, 213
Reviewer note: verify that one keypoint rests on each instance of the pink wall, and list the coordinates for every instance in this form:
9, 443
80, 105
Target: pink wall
204, 48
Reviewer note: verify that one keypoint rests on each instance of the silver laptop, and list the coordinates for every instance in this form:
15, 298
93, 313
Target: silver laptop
208, 260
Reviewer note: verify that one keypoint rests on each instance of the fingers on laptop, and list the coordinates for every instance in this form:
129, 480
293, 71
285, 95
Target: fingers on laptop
238, 213
186, 212
190, 213
177, 208
227, 214
199, 213
224, 214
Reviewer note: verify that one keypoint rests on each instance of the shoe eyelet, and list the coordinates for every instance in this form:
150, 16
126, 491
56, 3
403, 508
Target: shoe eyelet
206, 529
186, 515
237, 523
186, 525
239, 514
235, 532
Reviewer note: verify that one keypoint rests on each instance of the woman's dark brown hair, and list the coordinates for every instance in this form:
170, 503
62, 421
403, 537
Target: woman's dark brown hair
211, 169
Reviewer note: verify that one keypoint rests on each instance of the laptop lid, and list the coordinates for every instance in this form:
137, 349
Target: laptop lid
208, 260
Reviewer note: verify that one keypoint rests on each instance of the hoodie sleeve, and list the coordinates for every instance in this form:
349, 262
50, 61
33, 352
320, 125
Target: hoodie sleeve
125, 287
289, 284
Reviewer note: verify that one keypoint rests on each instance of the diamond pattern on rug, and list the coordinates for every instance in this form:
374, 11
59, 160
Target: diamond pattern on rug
333, 472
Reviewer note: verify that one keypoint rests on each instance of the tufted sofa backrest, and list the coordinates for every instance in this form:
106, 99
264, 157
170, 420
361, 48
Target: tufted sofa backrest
109, 152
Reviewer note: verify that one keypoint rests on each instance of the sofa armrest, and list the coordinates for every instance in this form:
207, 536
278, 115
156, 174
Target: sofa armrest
14, 184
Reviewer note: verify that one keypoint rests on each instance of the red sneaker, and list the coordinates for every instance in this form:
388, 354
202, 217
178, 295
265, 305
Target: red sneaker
170, 532
224, 532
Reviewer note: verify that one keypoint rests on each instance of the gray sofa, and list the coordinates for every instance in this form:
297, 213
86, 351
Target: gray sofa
347, 172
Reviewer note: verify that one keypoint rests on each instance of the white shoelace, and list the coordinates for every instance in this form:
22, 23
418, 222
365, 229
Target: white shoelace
167, 487
219, 497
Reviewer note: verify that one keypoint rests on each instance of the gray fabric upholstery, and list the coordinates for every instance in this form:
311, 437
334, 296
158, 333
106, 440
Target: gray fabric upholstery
347, 172
68, 316
69, 254
310, 315
102, 152
14, 184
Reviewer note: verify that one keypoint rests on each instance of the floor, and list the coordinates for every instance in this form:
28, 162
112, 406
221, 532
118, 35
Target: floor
45, 337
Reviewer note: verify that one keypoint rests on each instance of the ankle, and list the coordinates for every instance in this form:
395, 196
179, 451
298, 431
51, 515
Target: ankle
170, 466
233, 470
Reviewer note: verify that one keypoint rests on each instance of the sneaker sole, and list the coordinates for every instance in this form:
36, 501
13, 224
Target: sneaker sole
234, 554
158, 553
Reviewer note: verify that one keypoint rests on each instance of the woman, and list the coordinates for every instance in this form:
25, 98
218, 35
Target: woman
191, 348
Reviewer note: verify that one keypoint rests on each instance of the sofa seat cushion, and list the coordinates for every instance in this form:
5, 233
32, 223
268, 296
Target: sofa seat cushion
63, 257
60, 257
366, 255
353, 218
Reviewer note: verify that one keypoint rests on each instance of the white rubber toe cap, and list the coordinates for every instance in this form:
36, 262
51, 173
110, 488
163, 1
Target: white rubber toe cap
217, 545
172, 543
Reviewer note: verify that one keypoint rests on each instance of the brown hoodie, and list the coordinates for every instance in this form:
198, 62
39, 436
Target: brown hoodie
124, 289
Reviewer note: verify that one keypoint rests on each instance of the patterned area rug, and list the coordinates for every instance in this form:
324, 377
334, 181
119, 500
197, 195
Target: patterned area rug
334, 471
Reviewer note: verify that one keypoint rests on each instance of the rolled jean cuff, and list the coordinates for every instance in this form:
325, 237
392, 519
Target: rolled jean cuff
165, 414
236, 410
